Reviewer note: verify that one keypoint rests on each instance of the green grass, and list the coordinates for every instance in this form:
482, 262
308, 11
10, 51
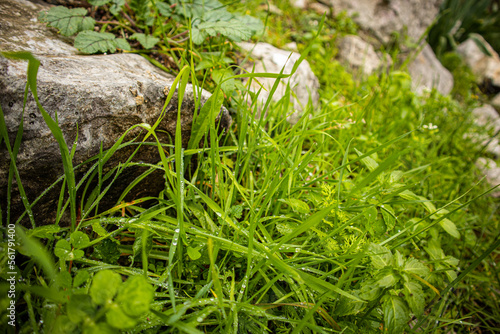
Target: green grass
367, 215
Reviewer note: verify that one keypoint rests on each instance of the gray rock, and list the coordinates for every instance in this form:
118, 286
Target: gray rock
488, 117
271, 59
489, 168
427, 72
96, 97
485, 67
382, 18
358, 54
495, 102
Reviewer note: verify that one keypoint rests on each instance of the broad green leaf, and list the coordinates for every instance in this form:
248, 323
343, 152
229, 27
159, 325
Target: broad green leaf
104, 286
107, 250
198, 36
118, 319
164, 9
93, 42
97, 228
68, 21
193, 253
398, 259
64, 280
147, 41
450, 228
381, 257
79, 239
80, 307
98, 2
135, 296
369, 290
297, 205
122, 44
395, 176
81, 277
371, 216
409, 195
396, 315
369, 162
388, 214
200, 126
43, 232
222, 77
414, 297
232, 29
385, 279
416, 267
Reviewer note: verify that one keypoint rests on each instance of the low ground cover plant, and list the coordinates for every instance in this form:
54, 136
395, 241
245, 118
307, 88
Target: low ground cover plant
365, 216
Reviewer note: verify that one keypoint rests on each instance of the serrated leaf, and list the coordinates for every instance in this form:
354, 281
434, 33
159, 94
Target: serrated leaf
385, 279
450, 228
93, 42
389, 218
164, 9
116, 6
107, 251
232, 29
104, 286
409, 195
98, 2
371, 216
193, 253
381, 257
414, 297
395, 176
122, 44
79, 239
416, 267
147, 41
398, 259
396, 315
68, 21
297, 205
198, 36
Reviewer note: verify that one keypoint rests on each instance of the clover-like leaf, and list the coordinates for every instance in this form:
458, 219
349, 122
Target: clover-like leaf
193, 253
81, 277
68, 21
147, 41
79, 239
135, 296
117, 318
104, 286
64, 252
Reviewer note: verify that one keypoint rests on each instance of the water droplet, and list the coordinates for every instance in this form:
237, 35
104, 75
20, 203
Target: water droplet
297, 250
199, 319
177, 230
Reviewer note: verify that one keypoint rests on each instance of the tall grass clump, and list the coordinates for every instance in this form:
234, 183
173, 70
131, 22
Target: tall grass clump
365, 216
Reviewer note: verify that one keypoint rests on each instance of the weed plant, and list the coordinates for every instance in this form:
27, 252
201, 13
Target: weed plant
365, 216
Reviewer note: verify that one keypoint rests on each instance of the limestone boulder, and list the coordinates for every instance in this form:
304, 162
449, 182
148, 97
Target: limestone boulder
97, 98
427, 73
270, 59
383, 18
485, 67
490, 169
358, 55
